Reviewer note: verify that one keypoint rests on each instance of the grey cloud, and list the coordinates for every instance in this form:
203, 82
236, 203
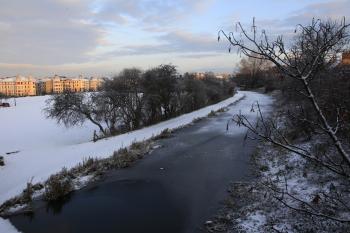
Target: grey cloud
174, 42
54, 32
47, 32
149, 13
200, 55
333, 10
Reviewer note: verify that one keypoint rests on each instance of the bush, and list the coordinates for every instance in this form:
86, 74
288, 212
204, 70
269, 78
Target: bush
58, 185
123, 158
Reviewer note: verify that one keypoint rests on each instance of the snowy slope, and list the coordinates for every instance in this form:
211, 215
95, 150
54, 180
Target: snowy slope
24, 127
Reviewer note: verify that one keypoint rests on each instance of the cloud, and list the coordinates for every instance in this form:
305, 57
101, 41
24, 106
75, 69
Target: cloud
148, 12
200, 55
46, 32
57, 32
179, 41
335, 9
328, 10
81, 33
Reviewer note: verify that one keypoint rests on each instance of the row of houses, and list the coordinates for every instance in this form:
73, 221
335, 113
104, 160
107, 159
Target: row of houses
29, 86
201, 75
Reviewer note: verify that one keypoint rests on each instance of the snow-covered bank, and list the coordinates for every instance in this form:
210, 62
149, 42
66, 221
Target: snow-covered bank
39, 162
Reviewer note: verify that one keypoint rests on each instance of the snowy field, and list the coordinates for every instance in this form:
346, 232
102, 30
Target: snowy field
45, 147
25, 128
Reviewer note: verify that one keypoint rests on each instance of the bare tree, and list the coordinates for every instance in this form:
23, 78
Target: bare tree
252, 71
124, 93
160, 89
73, 109
117, 107
194, 94
314, 50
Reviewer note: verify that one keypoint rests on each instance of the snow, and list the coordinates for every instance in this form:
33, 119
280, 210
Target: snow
45, 147
25, 127
6, 227
82, 181
264, 211
253, 221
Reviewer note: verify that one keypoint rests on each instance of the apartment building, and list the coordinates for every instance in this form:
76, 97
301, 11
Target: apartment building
94, 84
58, 84
18, 86
200, 75
28, 86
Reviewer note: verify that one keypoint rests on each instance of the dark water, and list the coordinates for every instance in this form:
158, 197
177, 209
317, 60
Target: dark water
111, 207
175, 189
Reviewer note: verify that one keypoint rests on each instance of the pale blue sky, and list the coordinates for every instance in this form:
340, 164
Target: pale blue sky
100, 37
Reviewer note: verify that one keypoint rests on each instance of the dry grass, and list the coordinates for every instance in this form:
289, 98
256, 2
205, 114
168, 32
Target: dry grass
198, 119
166, 133
58, 185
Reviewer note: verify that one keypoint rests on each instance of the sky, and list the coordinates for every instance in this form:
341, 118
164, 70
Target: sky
101, 37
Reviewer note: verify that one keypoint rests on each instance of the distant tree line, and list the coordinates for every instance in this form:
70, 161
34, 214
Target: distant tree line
255, 73
134, 99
